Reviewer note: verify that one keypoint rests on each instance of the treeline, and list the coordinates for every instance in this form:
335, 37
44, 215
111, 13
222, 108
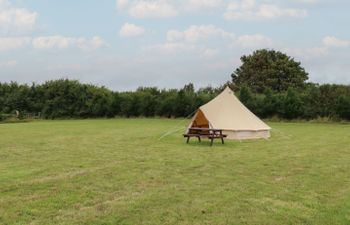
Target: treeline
313, 101
71, 99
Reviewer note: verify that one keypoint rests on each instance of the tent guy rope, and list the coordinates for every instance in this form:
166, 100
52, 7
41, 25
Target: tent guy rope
177, 127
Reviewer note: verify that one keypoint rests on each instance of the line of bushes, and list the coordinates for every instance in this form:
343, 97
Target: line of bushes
70, 99
311, 102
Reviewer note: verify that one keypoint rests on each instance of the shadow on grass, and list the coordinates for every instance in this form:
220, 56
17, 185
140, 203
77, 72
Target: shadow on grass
229, 144
206, 143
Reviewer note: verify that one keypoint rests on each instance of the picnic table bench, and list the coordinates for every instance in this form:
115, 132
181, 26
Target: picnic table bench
209, 133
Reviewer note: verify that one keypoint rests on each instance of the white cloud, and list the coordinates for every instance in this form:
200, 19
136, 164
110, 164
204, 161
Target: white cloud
10, 43
122, 4
4, 3
90, 44
253, 41
165, 8
331, 41
191, 41
152, 9
206, 42
63, 67
8, 64
16, 19
196, 33
183, 49
208, 53
61, 42
274, 11
52, 42
307, 53
131, 30
307, 1
250, 10
318, 52
170, 48
247, 4
202, 4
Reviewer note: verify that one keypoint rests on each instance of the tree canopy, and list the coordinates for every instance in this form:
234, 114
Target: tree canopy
269, 69
71, 99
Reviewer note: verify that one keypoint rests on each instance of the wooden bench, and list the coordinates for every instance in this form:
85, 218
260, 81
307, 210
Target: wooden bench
211, 134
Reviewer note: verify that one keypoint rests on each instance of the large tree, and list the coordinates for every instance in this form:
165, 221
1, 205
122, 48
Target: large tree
269, 69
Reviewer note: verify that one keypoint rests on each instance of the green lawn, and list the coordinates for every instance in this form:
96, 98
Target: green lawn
118, 172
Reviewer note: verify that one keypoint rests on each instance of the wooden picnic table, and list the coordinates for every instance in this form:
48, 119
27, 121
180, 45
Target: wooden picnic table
209, 133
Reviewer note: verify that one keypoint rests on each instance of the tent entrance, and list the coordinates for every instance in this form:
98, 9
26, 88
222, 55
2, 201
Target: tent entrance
200, 120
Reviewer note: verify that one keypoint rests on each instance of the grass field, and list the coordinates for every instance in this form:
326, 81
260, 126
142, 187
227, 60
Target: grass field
118, 172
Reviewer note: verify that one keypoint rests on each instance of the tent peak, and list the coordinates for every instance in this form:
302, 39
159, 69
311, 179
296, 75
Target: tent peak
229, 90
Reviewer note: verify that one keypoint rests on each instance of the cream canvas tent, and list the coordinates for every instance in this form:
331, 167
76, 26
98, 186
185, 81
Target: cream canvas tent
226, 112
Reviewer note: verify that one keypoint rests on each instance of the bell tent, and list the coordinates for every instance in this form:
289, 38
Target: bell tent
227, 113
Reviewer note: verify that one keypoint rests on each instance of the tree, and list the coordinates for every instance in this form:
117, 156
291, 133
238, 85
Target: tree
270, 104
292, 107
311, 98
269, 69
247, 98
71, 99
166, 105
343, 107
184, 103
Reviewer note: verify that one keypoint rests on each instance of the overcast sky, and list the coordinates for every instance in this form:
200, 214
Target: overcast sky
124, 44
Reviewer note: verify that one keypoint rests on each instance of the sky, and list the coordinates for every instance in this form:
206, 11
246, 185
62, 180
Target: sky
124, 44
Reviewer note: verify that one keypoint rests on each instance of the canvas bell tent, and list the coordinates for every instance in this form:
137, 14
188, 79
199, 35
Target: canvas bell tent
226, 112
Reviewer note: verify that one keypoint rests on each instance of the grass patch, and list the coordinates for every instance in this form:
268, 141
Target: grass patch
118, 172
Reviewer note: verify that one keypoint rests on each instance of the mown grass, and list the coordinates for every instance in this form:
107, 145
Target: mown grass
118, 172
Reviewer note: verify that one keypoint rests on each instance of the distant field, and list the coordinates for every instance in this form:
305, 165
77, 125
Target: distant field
118, 172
